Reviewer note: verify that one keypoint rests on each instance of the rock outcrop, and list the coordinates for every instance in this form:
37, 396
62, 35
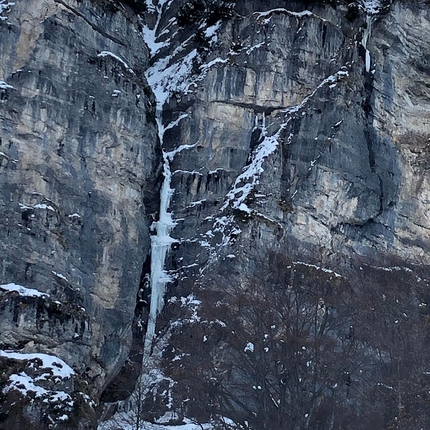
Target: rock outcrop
295, 129
349, 137
79, 162
294, 139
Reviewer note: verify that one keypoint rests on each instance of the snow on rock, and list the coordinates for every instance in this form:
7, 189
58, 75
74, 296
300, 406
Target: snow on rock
150, 34
3, 84
372, 7
44, 206
56, 366
211, 31
323, 269
5, 7
246, 181
249, 347
23, 291
116, 57
125, 424
165, 78
330, 80
190, 300
25, 385
260, 15
266, 16
59, 275
74, 216
48, 370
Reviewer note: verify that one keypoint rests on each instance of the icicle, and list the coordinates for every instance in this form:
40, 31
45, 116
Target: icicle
364, 42
160, 245
263, 125
371, 7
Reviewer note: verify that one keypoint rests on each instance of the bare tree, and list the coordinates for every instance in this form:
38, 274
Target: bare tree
269, 351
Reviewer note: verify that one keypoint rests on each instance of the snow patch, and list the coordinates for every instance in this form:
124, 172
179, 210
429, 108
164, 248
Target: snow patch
125, 425
74, 216
249, 347
269, 13
55, 365
5, 7
59, 275
250, 177
23, 291
165, 79
372, 7
282, 10
25, 384
44, 206
3, 84
323, 269
116, 57
150, 34
211, 31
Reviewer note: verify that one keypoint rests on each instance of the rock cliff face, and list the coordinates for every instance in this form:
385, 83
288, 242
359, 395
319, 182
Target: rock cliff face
341, 176
294, 142
78, 160
296, 129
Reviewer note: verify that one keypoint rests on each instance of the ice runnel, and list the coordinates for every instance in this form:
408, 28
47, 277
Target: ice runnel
160, 245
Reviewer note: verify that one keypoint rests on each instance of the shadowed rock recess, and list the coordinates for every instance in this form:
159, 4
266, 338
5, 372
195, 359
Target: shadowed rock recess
279, 150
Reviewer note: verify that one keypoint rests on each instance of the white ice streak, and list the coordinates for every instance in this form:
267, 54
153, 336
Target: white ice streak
167, 75
161, 241
371, 7
164, 79
366, 35
59, 275
283, 10
160, 245
323, 269
304, 13
23, 291
250, 177
116, 57
332, 79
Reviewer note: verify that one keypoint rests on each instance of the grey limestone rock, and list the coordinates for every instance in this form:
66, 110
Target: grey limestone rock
79, 162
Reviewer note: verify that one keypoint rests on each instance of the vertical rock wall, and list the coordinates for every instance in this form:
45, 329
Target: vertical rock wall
79, 164
298, 128
346, 171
